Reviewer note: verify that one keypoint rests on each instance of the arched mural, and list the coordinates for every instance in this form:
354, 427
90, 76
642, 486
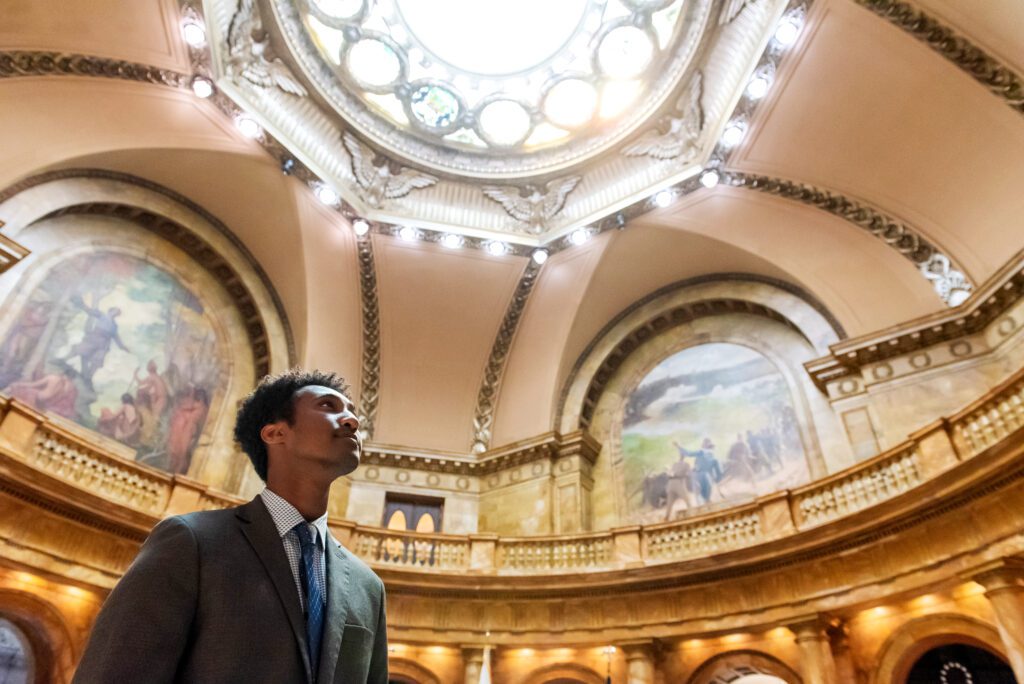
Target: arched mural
711, 424
121, 346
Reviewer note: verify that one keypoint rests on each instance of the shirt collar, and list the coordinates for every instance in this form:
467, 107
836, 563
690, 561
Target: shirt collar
286, 516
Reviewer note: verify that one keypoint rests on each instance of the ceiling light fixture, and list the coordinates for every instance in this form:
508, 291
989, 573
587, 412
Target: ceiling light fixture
194, 33
496, 248
539, 256
663, 198
327, 195
360, 227
709, 179
408, 233
788, 31
579, 236
248, 126
733, 134
202, 87
758, 87
451, 241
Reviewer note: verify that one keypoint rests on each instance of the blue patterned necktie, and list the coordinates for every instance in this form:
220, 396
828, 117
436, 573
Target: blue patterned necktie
314, 597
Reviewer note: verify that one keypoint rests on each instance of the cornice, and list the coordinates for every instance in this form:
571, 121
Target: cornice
998, 78
188, 241
483, 416
994, 298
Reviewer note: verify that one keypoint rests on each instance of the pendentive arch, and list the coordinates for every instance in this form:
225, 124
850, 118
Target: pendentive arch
678, 304
727, 667
913, 639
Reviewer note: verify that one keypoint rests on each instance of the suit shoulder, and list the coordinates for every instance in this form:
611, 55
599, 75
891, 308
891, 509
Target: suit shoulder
361, 572
205, 521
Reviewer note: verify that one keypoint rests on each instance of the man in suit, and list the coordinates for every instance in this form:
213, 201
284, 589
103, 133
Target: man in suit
261, 592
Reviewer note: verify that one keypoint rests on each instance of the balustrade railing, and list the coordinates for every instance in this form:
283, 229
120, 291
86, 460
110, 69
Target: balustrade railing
50, 449
689, 539
851, 491
555, 554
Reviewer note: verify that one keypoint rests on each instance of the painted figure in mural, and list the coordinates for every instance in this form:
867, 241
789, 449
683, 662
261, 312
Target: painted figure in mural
153, 388
55, 392
187, 417
740, 463
22, 340
92, 349
124, 425
707, 472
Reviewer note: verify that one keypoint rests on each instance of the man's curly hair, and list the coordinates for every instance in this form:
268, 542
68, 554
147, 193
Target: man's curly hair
271, 401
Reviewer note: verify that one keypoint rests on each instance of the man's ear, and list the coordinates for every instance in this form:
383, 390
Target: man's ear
273, 433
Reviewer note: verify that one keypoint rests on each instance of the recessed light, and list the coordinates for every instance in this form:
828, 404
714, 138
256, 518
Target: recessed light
360, 227
202, 87
496, 248
248, 126
579, 236
787, 31
408, 233
193, 33
539, 256
327, 195
663, 198
451, 241
733, 134
709, 179
758, 87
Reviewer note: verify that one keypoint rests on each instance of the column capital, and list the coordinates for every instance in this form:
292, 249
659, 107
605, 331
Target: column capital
472, 653
810, 627
1002, 574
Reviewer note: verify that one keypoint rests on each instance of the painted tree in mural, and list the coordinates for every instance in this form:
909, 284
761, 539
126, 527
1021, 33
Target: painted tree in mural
119, 346
711, 424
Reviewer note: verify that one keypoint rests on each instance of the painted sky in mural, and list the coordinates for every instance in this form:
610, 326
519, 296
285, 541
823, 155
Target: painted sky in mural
709, 425
119, 346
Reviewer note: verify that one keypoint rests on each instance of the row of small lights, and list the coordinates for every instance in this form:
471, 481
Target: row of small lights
785, 36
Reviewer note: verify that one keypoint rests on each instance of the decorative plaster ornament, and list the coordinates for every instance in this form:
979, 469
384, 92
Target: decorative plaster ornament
251, 56
732, 9
531, 205
379, 183
676, 135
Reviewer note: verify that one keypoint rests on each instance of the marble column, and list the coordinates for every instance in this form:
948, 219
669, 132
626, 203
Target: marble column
473, 657
639, 663
817, 664
1004, 588
839, 636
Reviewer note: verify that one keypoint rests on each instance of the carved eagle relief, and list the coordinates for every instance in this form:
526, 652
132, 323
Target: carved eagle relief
379, 182
531, 205
676, 134
250, 55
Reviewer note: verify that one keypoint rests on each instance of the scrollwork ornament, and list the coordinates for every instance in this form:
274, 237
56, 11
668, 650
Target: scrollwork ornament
483, 417
985, 69
370, 384
14, 63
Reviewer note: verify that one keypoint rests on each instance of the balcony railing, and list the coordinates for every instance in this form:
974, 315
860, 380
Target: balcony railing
32, 444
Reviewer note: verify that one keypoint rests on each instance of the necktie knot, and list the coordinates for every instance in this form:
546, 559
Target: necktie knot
305, 536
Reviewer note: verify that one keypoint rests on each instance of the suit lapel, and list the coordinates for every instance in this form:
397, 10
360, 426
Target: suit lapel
258, 527
337, 575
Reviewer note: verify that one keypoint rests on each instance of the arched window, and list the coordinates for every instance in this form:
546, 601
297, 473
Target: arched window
960, 664
15, 655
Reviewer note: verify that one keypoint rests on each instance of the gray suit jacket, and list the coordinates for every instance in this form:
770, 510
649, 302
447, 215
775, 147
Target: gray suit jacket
211, 599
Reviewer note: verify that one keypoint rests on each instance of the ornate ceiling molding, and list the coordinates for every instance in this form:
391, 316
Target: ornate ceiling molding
998, 78
948, 279
188, 241
11, 252
483, 416
16, 63
370, 382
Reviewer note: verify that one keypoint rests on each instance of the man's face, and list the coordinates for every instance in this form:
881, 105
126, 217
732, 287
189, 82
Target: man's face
323, 431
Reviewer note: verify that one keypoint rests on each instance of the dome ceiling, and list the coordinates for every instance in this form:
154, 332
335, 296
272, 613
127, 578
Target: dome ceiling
513, 121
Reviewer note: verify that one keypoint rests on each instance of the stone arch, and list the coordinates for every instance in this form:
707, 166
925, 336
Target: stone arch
53, 650
560, 672
727, 667
676, 305
914, 638
410, 672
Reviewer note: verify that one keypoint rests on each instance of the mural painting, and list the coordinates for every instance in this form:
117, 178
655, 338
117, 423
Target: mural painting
709, 425
119, 346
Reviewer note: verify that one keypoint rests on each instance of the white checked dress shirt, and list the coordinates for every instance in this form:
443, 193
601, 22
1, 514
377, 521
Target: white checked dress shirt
286, 517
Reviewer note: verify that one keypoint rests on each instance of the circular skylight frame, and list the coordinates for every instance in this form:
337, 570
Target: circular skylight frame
350, 75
